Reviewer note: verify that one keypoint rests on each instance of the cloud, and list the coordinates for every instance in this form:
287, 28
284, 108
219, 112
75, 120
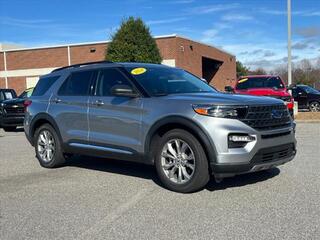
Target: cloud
29, 23
268, 53
165, 21
300, 45
182, 1
305, 13
308, 31
261, 52
213, 8
210, 35
236, 17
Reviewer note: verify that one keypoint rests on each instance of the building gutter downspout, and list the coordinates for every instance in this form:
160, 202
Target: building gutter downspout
5, 68
69, 56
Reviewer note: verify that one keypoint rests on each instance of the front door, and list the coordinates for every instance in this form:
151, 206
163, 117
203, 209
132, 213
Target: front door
114, 122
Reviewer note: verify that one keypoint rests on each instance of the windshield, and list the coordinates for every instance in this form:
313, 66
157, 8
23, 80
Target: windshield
162, 81
308, 89
259, 82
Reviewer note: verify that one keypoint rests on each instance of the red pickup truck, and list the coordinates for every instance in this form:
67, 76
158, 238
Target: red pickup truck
263, 85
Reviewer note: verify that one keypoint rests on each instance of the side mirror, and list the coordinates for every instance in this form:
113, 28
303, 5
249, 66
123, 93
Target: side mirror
229, 89
124, 91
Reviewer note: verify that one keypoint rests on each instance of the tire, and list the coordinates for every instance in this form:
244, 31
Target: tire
47, 140
314, 106
168, 167
9, 129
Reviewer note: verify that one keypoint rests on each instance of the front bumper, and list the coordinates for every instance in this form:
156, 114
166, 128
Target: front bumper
270, 147
264, 159
9, 121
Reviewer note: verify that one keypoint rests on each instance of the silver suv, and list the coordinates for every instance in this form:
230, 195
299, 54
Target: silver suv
156, 115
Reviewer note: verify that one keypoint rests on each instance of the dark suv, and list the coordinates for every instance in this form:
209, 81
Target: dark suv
156, 115
307, 97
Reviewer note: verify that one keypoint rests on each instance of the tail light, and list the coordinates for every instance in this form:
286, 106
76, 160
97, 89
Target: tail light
26, 104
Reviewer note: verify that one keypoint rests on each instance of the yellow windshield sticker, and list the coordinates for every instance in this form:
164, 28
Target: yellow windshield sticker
243, 80
138, 71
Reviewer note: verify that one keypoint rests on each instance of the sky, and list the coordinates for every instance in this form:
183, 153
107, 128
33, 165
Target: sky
255, 31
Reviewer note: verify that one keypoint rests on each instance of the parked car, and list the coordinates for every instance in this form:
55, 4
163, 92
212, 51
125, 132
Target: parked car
307, 97
157, 115
12, 110
263, 85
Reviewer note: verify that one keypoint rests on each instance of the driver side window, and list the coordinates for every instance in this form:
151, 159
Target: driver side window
107, 79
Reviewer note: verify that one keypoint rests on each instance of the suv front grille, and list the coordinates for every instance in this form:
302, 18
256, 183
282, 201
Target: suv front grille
11, 110
265, 117
274, 153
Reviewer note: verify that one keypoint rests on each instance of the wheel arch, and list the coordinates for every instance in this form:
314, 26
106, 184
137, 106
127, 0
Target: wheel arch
39, 120
173, 122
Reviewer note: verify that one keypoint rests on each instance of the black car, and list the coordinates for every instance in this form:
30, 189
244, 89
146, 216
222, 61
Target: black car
307, 97
11, 109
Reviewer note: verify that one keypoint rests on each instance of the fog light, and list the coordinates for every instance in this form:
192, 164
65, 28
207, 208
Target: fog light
243, 138
239, 140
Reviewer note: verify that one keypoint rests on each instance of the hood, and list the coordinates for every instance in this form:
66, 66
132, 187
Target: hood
15, 101
264, 92
222, 99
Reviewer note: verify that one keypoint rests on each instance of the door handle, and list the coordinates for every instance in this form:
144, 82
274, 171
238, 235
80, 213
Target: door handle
98, 103
56, 100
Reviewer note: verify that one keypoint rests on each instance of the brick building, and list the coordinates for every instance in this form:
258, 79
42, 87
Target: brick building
21, 68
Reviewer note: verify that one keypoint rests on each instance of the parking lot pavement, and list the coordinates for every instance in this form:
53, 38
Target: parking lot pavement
106, 199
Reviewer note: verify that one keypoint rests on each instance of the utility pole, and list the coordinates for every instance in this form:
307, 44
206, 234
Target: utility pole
289, 43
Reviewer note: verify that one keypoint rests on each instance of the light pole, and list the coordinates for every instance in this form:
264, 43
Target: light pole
289, 42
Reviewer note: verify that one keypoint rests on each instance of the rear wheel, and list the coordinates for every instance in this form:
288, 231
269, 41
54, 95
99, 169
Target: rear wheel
314, 107
48, 147
181, 162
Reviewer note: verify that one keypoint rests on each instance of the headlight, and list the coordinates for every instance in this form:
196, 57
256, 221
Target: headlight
221, 111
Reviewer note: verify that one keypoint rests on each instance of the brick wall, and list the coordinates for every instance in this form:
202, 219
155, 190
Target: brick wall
17, 83
170, 48
81, 54
1, 62
37, 58
190, 58
2, 82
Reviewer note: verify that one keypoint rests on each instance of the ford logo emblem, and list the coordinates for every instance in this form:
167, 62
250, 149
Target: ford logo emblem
276, 114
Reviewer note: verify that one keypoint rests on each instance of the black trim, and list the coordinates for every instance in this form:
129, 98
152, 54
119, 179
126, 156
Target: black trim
209, 146
263, 156
134, 157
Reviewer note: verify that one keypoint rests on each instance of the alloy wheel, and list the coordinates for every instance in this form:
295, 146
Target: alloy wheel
46, 146
315, 107
178, 161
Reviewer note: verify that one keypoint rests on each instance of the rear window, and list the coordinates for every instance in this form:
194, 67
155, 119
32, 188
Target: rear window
77, 84
43, 85
259, 82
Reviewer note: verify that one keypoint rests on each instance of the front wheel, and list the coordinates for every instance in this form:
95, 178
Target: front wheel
181, 162
314, 107
48, 147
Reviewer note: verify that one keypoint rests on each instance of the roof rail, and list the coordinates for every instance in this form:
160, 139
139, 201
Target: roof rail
80, 65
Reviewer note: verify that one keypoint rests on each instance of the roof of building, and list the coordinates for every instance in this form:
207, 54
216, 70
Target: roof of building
18, 48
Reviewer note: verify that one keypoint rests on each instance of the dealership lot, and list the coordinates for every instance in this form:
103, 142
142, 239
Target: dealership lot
105, 199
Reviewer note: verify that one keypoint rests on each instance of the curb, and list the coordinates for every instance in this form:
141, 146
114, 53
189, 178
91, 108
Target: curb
307, 121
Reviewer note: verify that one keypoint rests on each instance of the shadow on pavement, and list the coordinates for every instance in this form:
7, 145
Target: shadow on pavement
242, 180
115, 166
149, 172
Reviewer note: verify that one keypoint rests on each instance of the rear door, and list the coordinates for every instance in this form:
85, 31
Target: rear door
114, 121
69, 106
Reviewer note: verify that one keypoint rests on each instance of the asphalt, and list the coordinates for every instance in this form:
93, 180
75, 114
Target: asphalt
106, 199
